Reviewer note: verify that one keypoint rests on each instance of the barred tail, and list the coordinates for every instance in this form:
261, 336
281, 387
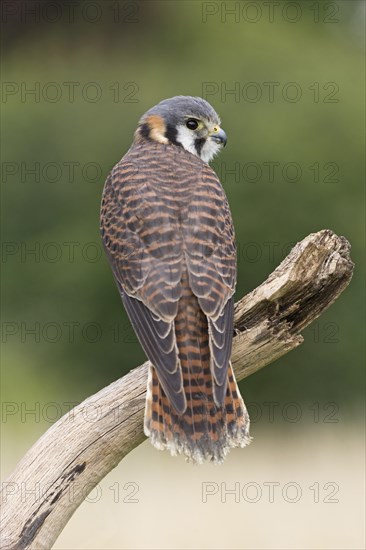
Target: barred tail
204, 432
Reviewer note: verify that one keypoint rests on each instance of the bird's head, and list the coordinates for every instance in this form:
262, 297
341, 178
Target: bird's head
188, 122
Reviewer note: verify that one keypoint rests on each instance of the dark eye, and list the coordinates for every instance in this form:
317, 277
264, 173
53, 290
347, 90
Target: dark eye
192, 124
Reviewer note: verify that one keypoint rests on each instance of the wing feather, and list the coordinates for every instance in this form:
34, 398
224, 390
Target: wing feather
161, 217
212, 272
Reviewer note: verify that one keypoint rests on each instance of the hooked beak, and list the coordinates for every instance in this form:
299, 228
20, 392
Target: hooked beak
219, 136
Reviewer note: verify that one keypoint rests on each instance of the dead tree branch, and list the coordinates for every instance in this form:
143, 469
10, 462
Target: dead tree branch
78, 451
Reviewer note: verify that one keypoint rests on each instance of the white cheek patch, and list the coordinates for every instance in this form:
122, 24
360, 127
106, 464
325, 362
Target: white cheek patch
187, 138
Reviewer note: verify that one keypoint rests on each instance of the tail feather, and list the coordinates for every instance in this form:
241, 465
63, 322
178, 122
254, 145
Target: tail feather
204, 432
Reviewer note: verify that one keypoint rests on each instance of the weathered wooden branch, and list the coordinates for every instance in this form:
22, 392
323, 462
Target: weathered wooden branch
72, 457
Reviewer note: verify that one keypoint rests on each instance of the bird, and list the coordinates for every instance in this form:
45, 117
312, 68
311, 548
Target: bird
168, 234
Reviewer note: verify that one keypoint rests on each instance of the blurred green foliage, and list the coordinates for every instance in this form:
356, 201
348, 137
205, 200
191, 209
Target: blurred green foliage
170, 50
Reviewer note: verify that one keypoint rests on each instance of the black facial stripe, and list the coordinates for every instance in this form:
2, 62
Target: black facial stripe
145, 130
171, 134
198, 144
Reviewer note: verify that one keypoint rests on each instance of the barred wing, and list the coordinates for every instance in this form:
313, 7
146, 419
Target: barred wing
160, 219
212, 269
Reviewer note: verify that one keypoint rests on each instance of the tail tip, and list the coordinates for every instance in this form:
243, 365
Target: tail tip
202, 451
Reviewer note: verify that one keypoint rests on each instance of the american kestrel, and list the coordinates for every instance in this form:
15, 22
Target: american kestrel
168, 233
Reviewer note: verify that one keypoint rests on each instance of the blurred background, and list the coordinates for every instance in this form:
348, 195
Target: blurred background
287, 79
